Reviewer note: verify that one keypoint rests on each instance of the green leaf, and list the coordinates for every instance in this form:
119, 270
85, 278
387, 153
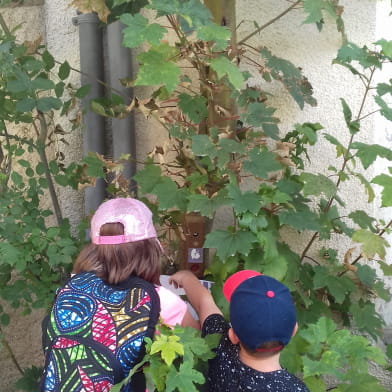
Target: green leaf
261, 163
340, 150
229, 244
365, 318
318, 333
244, 201
42, 84
304, 219
386, 47
366, 274
386, 268
385, 110
317, 184
30, 379
204, 205
368, 188
48, 60
25, 105
260, 116
215, 33
64, 70
184, 379
315, 8
192, 11
224, 67
22, 84
59, 89
148, 177
372, 243
157, 67
82, 92
363, 220
203, 146
297, 85
351, 52
383, 88
169, 195
353, 126
368, 153
231, 146
168, 346
139, 30
46, 104
195, 107
338, 287
361, 383
94, 166
386, 182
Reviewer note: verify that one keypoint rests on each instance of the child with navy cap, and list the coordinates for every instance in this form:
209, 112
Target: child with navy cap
262, 322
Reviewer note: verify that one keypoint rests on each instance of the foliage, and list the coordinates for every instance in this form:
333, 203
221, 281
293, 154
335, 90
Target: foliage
37, 245
176, 359
222, 134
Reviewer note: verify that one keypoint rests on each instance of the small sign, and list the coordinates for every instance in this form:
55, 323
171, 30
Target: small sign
195, 255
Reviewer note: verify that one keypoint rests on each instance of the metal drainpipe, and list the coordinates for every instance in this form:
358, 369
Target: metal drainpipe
120, 66
92, 70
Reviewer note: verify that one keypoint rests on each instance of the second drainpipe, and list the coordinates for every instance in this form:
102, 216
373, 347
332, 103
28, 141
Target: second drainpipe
120, 66
92, 71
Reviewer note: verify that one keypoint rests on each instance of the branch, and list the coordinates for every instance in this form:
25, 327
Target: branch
346, 159
44, 159
6, 345
269, 22
4, 25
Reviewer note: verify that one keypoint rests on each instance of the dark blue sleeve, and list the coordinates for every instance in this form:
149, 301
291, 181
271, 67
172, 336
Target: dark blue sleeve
214, 323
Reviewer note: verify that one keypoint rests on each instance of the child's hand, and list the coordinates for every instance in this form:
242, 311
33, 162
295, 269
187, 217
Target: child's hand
180, 278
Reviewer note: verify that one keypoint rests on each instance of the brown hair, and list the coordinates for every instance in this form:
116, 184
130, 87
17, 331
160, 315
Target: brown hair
115, 263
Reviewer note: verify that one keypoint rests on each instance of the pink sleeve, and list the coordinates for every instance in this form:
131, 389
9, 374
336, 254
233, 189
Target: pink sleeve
173, 308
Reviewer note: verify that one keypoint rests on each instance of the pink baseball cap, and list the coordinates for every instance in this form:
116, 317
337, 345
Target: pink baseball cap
134, 215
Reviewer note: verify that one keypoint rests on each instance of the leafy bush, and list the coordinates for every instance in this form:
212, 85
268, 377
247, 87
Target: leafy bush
222, 135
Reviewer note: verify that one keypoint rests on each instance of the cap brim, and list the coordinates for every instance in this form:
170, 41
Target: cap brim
235, 280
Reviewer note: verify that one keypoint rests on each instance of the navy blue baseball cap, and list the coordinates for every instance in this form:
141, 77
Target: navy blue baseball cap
261, 309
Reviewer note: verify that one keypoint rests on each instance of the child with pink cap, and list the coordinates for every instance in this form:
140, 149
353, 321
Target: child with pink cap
262, 322
124, 242
95, 332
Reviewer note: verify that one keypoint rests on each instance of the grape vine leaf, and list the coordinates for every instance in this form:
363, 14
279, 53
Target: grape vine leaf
224, 67
258, 114
168, 346
195, 107
316, 184
184, 379
215, 33
229, 244
244, 201
371, 243
138, 30
158, 68
386, 182
261, 162
297, 85
206, 206
367, 153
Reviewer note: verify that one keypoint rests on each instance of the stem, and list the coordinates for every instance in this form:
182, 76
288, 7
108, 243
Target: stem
347, 156
44, 159
4, 25
269, 22
8, 164
10, 352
